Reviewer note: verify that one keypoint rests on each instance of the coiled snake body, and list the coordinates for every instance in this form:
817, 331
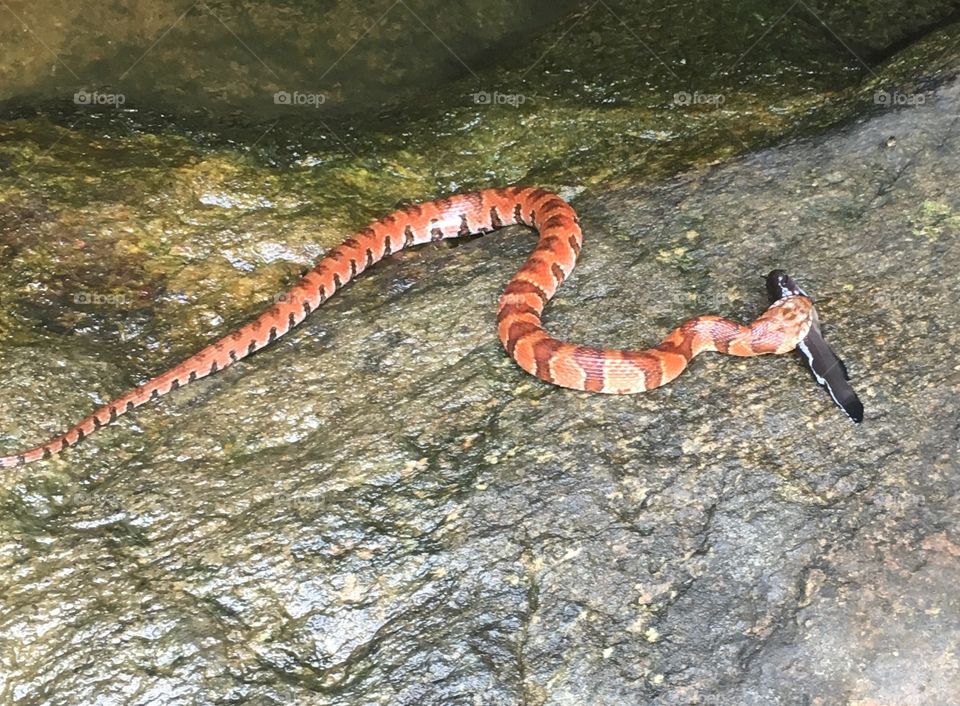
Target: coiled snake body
779, 329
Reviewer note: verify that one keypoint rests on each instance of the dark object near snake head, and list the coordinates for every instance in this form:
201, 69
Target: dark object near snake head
827, 368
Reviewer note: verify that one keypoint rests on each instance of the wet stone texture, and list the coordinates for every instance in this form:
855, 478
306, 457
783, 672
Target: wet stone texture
383, 509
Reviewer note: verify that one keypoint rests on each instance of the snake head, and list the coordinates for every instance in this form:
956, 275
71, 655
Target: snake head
825, 365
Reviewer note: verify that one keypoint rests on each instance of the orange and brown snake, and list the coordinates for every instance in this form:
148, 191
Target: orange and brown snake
789, 323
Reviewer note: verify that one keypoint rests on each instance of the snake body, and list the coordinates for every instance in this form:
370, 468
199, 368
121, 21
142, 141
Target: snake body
778, 330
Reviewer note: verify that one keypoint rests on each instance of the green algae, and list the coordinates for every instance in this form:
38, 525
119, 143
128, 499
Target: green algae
933, 219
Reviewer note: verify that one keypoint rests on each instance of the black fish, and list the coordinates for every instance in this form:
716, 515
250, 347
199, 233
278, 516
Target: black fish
827, 368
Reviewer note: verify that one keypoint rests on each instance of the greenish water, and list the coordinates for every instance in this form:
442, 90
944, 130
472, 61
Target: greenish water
438, 97
237, 61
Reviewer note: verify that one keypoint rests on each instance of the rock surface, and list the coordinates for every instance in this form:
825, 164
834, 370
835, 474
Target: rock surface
382, 509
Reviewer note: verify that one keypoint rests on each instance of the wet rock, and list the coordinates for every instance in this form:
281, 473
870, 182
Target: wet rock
381, 508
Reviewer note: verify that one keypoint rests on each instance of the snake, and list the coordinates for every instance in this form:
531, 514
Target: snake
789, 322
